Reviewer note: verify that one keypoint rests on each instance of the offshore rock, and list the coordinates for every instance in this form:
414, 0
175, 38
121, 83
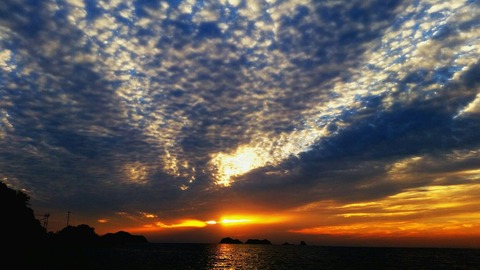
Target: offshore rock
258, 242
228, 240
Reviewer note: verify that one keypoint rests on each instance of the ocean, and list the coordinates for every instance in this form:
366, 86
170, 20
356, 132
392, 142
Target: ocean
275, 257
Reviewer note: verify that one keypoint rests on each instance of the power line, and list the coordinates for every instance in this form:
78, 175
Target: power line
45, 220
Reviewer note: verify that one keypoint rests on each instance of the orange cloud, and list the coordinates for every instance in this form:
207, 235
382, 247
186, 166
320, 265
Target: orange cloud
420, 212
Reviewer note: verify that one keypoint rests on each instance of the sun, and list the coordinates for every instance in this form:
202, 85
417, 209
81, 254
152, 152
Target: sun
235, 220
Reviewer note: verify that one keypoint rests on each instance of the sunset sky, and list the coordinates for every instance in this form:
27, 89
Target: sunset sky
333, 122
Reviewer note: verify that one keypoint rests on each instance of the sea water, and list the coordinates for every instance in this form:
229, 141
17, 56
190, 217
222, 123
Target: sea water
275, 257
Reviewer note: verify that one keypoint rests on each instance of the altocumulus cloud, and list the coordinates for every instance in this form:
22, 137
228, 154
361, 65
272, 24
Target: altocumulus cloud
171, 107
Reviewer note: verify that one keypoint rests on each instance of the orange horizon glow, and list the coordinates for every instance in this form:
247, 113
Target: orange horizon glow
231, 220
419, 214
416, 215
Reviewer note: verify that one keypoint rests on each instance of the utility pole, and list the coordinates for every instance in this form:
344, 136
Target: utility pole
68, 217
45, 221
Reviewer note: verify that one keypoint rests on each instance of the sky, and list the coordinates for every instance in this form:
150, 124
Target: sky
333, 122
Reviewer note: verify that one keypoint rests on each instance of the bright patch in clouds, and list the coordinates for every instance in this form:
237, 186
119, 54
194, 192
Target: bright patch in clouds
241, 161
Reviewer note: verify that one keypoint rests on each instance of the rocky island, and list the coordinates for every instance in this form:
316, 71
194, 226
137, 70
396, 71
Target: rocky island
228, 240
258, 242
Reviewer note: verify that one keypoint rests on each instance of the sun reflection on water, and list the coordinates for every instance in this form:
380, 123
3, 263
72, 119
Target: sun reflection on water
224, 255
237, 256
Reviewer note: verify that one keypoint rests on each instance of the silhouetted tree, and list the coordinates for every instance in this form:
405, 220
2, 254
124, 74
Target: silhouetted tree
18, 220
22, 233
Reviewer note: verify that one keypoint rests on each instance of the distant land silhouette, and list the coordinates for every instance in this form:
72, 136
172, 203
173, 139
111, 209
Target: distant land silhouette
85, 235
229, 240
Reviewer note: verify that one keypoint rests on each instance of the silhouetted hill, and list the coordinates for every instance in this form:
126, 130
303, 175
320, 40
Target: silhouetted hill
258, 242
77, 235
228, 240
84, 235
122, 238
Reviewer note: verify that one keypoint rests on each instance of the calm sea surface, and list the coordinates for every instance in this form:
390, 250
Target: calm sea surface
243, 256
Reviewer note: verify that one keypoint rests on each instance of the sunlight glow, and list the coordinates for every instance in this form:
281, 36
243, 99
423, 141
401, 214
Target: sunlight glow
251, 219
234, 220
227, 221
241, 161
268, 150
193, 223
